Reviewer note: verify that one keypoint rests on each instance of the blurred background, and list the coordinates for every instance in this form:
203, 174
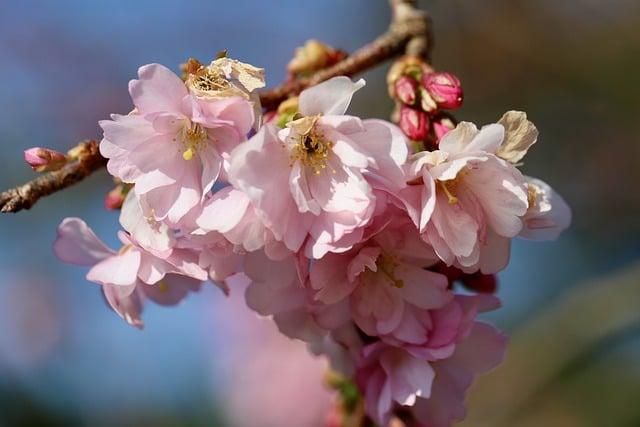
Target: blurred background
572, 307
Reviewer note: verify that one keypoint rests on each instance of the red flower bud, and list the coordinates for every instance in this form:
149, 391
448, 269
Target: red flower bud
406, 90
414, 123
44, 159
441, 126
444, 88
114, 199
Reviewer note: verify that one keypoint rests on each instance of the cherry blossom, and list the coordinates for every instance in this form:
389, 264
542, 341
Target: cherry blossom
175, 144
471, 201
132, 274
308, 181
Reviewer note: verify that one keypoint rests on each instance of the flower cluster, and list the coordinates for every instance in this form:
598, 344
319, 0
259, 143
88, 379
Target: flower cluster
343, 232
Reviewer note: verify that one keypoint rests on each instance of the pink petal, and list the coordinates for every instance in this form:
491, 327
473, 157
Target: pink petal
173, 289
157, 90
77, 244
224, 210
120, 269
125, 301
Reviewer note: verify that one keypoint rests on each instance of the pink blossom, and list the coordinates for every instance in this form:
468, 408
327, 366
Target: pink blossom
133, 273
309, 181
431, 381
231, 214
277, 290
468, 202
384, 280
174, 145
478, 353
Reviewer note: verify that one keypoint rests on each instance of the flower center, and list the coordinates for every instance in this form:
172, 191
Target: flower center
311, 147
192, 136
208, 79
386, 265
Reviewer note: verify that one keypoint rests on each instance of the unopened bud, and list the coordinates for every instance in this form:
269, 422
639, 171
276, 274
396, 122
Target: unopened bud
287, 111
444, 88
115, 198
442, 125
414, 123
406, 89
411, 66
313, 56
44, 159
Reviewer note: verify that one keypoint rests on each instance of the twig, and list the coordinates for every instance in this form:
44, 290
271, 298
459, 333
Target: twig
409, 33
26, 195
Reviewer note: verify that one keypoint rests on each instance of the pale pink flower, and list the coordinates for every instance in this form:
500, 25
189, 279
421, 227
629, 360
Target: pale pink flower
309, 182
384, 280
277, 290
389, 376
131, 274
479, 352
548, 214
230, 213
431, 378
470, 201
174, 145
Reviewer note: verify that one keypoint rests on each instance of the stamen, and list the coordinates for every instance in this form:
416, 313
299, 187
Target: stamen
188, 154
386, 266
449, 188
208, 79
312, 148
192, 136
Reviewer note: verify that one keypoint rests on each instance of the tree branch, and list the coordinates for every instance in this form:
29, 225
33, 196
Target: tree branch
409, 32
26, 195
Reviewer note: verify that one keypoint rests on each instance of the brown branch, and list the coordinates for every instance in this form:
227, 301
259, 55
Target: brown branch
26, 195
409, 33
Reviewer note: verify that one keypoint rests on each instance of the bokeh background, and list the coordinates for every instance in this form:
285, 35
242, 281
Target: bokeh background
572, 306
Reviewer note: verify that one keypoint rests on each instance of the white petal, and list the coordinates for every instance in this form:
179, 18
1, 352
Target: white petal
329, 98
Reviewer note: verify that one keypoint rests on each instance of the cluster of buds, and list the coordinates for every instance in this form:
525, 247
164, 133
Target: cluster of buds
421, 95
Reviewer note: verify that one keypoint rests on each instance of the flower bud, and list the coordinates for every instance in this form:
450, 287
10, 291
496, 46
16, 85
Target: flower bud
44, 159
427, 103
441, 126
444, 88
406, 89
414, 123
114, 199
313, 56
406, 66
